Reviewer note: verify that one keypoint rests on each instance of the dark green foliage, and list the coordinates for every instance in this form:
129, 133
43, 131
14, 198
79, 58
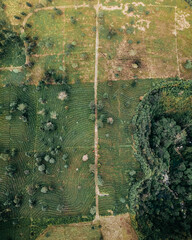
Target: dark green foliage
58, 11
7, 37
28, 4
10, 170
130, 41
163, 148
130, 30
134, 83
92, 105
2, 5
17, 17
111, 33
188, 64
131, 8
73, 20
100, 105
28, 25
31, 45
23, 13
189, 2
69, 48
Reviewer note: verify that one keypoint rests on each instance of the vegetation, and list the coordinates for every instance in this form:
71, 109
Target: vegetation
47, 124
189, 2
7, 37
30, 160
188, 64
163, 145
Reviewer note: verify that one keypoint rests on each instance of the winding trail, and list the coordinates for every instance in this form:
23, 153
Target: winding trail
96, 123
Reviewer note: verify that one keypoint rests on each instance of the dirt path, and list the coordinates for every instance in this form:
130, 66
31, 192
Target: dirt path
10, 68
96, 124
51, 8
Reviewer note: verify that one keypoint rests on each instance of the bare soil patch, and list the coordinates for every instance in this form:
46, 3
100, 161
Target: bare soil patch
117, 228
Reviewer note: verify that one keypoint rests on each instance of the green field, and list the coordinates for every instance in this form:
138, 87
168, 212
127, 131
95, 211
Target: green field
72, 232
115, 141
69, 185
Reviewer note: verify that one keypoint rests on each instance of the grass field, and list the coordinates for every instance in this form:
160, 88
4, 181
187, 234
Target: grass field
72, 187
143, 38
72, 48
109, 227
70, 232
115, 141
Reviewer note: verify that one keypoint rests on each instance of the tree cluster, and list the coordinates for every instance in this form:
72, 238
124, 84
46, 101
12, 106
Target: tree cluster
189, 2
163, 148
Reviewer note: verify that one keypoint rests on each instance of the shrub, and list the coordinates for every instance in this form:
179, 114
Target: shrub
188, 64
105, 95
28, 4
92, 105
73, 20
131, 8
58, 11
41, 168
100, 105
130, 30
17, 17
92, 117
44, 189
111, 33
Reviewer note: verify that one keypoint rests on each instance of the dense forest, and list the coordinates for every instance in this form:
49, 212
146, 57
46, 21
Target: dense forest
163, 141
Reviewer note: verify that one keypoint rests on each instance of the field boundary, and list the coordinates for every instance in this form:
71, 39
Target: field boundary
176, 42
96, 123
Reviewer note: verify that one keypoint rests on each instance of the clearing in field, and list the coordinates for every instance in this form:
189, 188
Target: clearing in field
108, 228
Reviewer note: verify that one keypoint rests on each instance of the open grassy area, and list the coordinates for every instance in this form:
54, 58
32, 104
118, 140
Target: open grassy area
10, 77
18, 6
184, 23
48, 27
146, 43
109, 227
115, 141
72, 44
144, 2
71, 232
80, 58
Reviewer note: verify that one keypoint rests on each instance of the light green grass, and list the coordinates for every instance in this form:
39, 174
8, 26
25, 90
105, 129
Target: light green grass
82, 34
48, 27
154, 45
173, 3
72, 232
9, 77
